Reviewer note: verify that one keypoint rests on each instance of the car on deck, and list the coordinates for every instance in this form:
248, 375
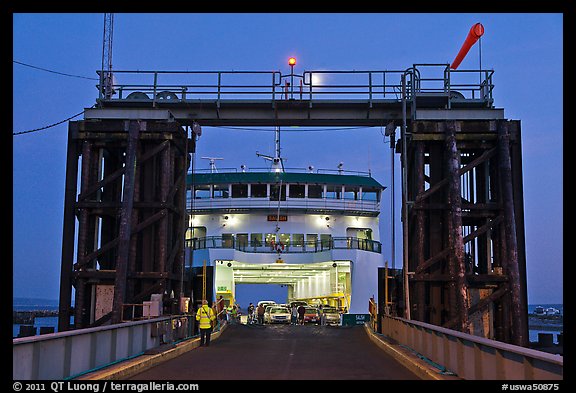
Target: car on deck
276, 314
312, 315
330, 316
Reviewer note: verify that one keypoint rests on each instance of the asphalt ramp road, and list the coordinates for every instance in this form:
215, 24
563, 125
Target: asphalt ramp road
283, 352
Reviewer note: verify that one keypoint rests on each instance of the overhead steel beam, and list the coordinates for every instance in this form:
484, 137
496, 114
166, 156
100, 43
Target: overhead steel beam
280, 113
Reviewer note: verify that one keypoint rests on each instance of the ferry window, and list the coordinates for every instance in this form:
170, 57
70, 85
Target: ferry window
242, 240
259, 191
359, 233
351, 192
227, 240
315, 191
256, 239
285, 239
239, 190
325, 240
311, 239
195, 232
297, 190
202, 191
277, 192
220, 191
269, 238
333, 192
370, 194
311, 242
298, 239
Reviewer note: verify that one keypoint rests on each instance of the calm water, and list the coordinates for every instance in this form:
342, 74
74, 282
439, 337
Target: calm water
28, 304
53, 321
560, 307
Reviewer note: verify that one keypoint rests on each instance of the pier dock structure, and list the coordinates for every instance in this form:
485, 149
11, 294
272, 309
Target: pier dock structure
462, 209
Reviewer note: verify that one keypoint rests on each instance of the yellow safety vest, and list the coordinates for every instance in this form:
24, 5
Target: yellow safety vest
205, 316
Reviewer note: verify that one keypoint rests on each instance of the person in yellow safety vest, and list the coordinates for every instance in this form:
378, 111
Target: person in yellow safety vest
205, 315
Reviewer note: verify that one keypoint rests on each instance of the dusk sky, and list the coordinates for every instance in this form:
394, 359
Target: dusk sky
524, 50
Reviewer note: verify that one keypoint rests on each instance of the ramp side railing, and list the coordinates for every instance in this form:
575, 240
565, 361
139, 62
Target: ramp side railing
472, 357
64, 355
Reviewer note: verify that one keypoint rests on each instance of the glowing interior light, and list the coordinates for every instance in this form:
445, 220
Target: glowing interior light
292, 61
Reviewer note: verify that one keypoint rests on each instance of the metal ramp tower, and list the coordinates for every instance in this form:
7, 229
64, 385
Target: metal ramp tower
126, 195
463, 228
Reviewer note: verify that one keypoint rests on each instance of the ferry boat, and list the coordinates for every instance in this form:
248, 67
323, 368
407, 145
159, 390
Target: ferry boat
539, 310
552, 311
314, 231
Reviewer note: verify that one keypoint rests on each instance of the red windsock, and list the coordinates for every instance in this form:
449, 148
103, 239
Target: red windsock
475, 32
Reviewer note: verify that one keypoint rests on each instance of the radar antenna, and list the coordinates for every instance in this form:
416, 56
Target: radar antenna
212, 163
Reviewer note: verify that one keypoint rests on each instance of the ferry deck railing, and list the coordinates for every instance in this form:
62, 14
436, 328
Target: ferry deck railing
367, 206
350, 243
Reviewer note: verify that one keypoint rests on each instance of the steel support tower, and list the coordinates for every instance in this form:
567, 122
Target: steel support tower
125, 210
466, 251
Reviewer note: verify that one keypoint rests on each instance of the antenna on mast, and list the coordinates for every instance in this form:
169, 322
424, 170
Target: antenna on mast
212, 163
277, 160
106, 78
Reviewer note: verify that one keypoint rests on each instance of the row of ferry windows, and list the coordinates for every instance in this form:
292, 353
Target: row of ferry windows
267, 239
276, 192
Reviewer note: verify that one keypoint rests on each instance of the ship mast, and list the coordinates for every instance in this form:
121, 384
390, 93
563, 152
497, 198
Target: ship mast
277, 160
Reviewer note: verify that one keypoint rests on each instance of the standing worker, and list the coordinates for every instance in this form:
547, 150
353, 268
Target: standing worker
205, 315
294, 316
221, 314
251, 311
301, 312
260, 312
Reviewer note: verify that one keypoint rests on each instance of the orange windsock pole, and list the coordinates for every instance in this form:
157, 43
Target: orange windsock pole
475, 32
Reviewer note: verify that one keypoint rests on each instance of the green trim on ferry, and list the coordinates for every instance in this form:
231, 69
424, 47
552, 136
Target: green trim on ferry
273, 177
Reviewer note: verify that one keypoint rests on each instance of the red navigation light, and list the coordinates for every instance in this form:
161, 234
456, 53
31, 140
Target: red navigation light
473, 35
292, 61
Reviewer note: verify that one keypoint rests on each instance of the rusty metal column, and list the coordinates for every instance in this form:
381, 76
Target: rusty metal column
125, 222
456, 268
511, 254
405, 227
165, 181
518, 192
436, 234
419, 228
64, 307
131, 285
79, 305
180, 200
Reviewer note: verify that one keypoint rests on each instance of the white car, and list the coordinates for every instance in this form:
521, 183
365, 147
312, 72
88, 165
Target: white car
265, 303
330, 316
275, 314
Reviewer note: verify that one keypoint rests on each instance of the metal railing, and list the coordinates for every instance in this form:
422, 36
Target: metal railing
288, 170
289, 203
472, 357
189, 86
336, 243
64, 355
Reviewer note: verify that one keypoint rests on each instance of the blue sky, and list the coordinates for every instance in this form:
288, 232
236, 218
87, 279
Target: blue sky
525, 51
